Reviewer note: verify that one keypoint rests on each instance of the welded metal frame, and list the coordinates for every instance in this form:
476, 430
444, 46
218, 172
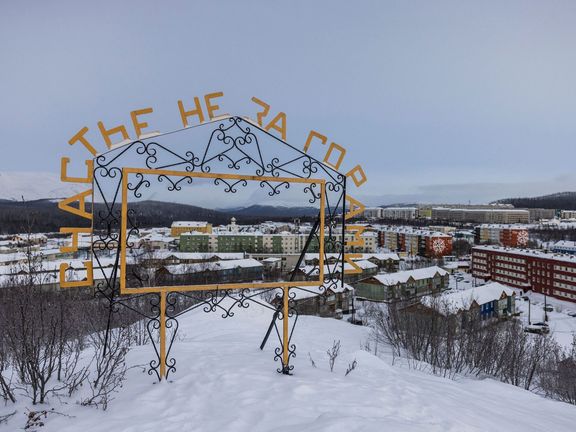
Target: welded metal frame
234, 134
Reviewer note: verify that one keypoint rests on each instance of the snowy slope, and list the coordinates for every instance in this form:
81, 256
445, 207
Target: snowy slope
35, 185
225, 383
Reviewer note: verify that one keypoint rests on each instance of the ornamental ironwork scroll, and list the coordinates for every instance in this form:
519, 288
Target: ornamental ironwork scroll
228, 153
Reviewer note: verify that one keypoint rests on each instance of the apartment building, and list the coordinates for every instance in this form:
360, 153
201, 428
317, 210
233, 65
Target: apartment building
537, 214
372, 213
568, 214
431, 244
257, 242
180, 227
395, 213
546, 273
503, 235
400, 213
481, 215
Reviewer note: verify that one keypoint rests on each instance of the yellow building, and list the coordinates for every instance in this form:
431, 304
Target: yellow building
180, 227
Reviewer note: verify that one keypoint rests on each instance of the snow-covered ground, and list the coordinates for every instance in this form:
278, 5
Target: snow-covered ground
225, 383
562, 325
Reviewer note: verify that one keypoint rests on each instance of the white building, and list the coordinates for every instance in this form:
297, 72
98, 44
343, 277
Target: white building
405, 213
373, 212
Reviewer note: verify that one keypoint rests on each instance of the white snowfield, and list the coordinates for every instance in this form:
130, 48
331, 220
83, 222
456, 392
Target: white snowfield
36, 185
225, 383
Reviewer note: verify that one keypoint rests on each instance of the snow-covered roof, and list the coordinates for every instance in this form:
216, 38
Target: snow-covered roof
462, 300
527, 252
212, 266
390, 279
187, 224
411, 231
312, 270
477, 210
504, 226
53, 276
365, 256
565, 244
456, 264
197, 256
12, 257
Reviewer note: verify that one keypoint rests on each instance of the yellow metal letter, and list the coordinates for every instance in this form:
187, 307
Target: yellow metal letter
355, 267
313, 134
358, 230
81, 199
138, 126
342, 151
209, 107
356, 208
185, 114
74, 284
80, 137
260, 115
64, 172
273, 124
352, 173
107, 133
74, 232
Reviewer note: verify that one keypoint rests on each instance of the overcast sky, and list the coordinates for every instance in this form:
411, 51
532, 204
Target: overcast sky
443, 101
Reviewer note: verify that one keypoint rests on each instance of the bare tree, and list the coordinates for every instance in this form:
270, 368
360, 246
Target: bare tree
451, 343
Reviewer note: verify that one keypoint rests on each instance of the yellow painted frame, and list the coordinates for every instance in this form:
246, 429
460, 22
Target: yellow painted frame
213, 287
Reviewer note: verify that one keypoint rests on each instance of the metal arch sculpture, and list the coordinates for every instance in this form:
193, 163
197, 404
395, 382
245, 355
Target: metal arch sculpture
236, 152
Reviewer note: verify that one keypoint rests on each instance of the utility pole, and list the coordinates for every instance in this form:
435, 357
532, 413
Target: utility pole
529, 322
545, 309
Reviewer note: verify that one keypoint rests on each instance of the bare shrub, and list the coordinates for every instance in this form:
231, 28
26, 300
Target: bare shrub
110, 366
333, 353
351, 367
312, 362
558, 379
6, 389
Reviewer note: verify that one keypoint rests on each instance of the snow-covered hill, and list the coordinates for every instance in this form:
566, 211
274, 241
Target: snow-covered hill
35, 185
225, 383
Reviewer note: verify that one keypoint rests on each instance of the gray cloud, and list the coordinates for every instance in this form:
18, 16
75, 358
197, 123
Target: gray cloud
476, 95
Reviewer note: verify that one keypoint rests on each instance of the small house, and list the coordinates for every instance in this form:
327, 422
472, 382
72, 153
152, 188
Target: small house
403, 285
492, 300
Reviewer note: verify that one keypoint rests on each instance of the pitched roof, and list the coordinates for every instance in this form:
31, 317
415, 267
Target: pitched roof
390, 279
462, 300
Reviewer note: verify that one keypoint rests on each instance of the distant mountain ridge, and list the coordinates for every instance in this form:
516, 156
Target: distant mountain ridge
560, 200
272, 211
45, 216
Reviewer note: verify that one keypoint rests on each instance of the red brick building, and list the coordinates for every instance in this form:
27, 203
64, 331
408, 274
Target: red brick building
514, 237
545, 273
438, 245
431, 244
504, 235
